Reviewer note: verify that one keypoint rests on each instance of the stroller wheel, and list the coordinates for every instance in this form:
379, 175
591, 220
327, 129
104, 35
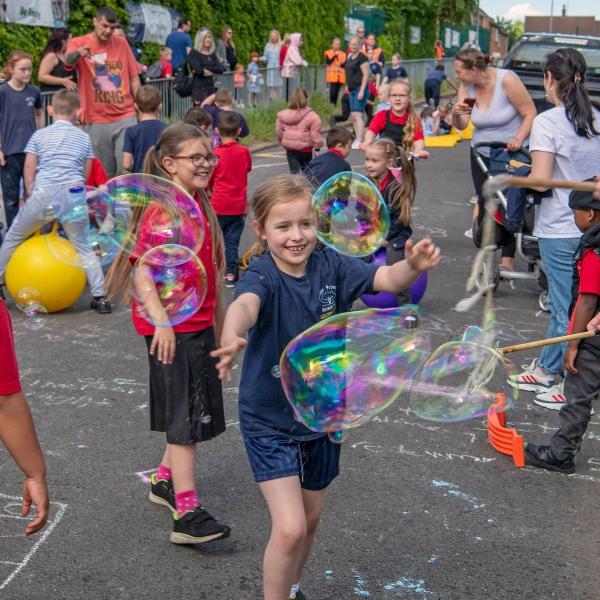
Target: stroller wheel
543, 280
543, 301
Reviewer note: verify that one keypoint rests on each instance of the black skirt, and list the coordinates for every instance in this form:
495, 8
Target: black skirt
186, 399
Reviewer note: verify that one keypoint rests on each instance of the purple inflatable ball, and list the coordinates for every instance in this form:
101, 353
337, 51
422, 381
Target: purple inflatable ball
387, 299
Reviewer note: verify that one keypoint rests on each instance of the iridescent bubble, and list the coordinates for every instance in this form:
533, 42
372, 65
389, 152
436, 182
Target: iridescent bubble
352, 216
460, 381
342, 371
28, 301
131, 213
169, 285
276, 372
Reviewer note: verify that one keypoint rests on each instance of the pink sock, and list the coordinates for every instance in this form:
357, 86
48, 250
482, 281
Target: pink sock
163, 472
185, 501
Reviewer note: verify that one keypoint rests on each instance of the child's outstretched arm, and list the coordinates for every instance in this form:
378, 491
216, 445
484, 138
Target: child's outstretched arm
17, 432
241, 315
422, 256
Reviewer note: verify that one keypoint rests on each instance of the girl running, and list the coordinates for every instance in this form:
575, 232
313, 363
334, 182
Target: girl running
20, 115
280, 295
401, 123
390, 170
185, 394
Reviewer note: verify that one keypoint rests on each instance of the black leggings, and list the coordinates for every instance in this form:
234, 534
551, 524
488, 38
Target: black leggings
334, 92
298, 160
504, 239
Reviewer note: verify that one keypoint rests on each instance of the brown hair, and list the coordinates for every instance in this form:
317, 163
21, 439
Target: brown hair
148, 99
169, 144
471, 57
338, 135
411, 120
228, 123
13, 59
65, 103
223, 97
299, 99
401, 195
276, 190
198, 116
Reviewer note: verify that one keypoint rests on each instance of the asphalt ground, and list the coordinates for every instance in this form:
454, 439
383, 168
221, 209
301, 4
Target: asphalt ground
420, 510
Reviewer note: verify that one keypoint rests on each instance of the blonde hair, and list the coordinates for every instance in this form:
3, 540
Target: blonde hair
299, 99
169, 144
166, 52
278, 35
401, 195
65, 103
411, 120
276, 190
199, 40
13, 59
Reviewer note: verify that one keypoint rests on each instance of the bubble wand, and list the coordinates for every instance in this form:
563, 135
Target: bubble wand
546, 342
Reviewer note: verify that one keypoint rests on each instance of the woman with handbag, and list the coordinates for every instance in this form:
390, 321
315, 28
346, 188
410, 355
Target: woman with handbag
204, 64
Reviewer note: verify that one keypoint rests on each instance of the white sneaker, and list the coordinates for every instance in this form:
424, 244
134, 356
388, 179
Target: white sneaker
533, 379
553, 399
355, 145
469, 233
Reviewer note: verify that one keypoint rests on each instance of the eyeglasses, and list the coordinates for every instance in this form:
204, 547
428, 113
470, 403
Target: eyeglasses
199, 159
399, 95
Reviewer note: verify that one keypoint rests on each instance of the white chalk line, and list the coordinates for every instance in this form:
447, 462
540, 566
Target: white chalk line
61, 509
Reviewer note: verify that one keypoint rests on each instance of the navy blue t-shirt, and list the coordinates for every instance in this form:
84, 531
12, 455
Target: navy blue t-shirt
326, 165
179, 42
288, 306
17, 117
436, 75
139, 138
395, 73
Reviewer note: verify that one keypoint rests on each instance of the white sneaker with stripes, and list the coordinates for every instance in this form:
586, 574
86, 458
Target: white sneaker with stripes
533, 379
553, 399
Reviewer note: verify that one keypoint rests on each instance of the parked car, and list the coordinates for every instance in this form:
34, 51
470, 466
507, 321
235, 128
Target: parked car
526, 59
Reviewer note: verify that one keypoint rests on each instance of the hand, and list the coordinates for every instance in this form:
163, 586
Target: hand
423, 255
360, 96
35, 491
2, 159
569, 359
69, 84
163, 341
514, 144
423, 154
595, 322
84, 51
207, 73
460, 109
226, 353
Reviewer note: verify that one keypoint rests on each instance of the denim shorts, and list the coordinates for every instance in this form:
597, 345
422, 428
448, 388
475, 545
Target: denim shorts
357, 105
316, 462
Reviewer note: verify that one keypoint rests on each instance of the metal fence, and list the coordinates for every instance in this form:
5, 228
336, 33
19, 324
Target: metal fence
311, 78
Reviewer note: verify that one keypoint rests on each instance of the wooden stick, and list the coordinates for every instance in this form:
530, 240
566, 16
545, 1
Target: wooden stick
530, 182
546, 342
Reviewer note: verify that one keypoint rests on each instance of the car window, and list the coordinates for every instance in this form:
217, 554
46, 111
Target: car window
532, 55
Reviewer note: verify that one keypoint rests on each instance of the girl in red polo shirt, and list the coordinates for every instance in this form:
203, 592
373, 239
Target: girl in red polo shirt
400, 123
388, 167
185, 392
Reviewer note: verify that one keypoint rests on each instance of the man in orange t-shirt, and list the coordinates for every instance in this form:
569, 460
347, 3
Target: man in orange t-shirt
108, 82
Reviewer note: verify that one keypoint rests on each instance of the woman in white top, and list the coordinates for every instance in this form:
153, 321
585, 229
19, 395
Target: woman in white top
498, 104
564, 144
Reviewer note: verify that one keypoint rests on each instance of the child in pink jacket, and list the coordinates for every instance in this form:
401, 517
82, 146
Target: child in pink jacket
298, 130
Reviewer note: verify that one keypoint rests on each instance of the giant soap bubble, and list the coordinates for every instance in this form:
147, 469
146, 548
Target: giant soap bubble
352, 216
341, 372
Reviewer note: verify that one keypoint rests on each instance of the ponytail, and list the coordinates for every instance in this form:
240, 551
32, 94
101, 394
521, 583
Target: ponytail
568, 68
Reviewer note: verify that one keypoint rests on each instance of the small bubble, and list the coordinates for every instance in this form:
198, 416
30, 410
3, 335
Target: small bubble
276, 372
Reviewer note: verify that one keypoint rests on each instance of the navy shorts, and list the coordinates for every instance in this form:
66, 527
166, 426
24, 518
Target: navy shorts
316, 462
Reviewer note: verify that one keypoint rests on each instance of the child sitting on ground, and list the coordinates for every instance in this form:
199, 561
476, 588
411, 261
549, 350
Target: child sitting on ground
428, 122
58, 157
229, 184
582, 357
140, 137
200, 118
328, 164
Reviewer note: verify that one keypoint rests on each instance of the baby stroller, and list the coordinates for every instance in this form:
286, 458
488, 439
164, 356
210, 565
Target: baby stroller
519, 205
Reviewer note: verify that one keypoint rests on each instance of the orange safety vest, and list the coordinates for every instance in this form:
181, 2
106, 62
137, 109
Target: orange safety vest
335, 71
238, 79
376, 54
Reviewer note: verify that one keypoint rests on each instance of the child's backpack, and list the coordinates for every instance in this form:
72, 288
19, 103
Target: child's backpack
154, 70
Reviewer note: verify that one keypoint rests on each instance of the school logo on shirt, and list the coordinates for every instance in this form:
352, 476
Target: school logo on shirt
30, 101
328, 299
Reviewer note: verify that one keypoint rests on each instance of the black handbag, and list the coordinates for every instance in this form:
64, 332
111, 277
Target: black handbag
184, 81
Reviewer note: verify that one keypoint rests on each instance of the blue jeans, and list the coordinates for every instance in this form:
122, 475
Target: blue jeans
10, 179
232, 227
557, 256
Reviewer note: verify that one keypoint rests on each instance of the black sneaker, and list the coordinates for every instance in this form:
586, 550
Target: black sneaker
196, 527
162, 492
541, 456
101, 305
299, 596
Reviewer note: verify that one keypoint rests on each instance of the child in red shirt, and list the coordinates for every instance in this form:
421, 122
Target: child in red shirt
229, 185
